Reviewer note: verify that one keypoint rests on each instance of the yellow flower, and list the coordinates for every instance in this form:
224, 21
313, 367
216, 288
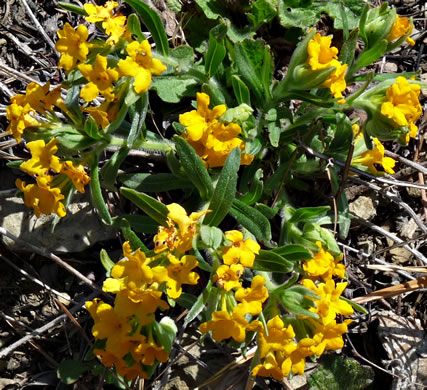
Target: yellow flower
42, 158
76, 174
140, 65
151, 352
329, 304
257, 291
180, 231
241, 251
402, 104
323, 265
20, 118
329, 336
41, 197
212, 139
400, 27
322, 56
179, 274
99, 115
303, 349
100, 79
320, 53
114, 25
276, 346
374, 156
72, 45
228, 277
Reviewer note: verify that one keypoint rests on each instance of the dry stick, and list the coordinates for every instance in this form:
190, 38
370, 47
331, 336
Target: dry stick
17, 75
421, 174
384, 232
35, 280
39, 26
362, 173
393, 290
53, 257
371, 257
6, 351
394, 198
407, 162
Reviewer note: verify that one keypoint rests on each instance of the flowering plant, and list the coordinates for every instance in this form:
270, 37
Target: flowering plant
272, 272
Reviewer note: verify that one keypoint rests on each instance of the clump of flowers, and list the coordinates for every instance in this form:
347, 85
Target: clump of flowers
321, 55
212, 139
45, 196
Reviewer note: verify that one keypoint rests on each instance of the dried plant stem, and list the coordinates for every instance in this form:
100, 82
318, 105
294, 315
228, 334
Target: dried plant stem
6, 351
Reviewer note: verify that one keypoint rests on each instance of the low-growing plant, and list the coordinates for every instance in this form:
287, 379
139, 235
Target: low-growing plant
243, 137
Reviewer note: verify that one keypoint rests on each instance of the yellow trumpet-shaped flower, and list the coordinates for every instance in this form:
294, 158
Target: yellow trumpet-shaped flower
228, 277
257, 291
42, 158
76, 174
400, 27
20, 118
140, 65
329, 304
114, 25
212, 139
323, 265
100, 79
322, 56
179, 272
241, 251
402, 104
41, 197
73, 46
374, 156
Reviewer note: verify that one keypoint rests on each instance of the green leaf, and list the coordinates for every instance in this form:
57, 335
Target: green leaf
110, 169
194, 167
69, 371
165, 332
249, 57
152, 207
241, 91
129, 235
106, 261
199, 305
211, 8
172, 89
139, 223
185, 57
211, 236
254, 193
158, 182
296, 302
153, 22
225, 190
216, 50
186, 300
339, 372
293, 252
135, 27
370, 56
72, 8
96, 194
355, 306
92, 129
174, 5
270, 261
309, 214
141, 107
348, 49
262, 11
252, 219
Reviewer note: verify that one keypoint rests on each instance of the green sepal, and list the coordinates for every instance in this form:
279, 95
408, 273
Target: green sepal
106, 262
165, 332
138, 120
194, 167
91, 129
225, 190
152, 207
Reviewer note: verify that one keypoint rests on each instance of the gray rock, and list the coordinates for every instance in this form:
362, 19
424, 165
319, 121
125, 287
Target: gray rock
78, 230
363, 207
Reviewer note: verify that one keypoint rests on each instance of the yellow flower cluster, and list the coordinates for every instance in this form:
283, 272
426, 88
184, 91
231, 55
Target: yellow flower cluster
322, 56
45, 196
139, 64
127, 327
212, 139
400, 27
280, 353
402, 105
